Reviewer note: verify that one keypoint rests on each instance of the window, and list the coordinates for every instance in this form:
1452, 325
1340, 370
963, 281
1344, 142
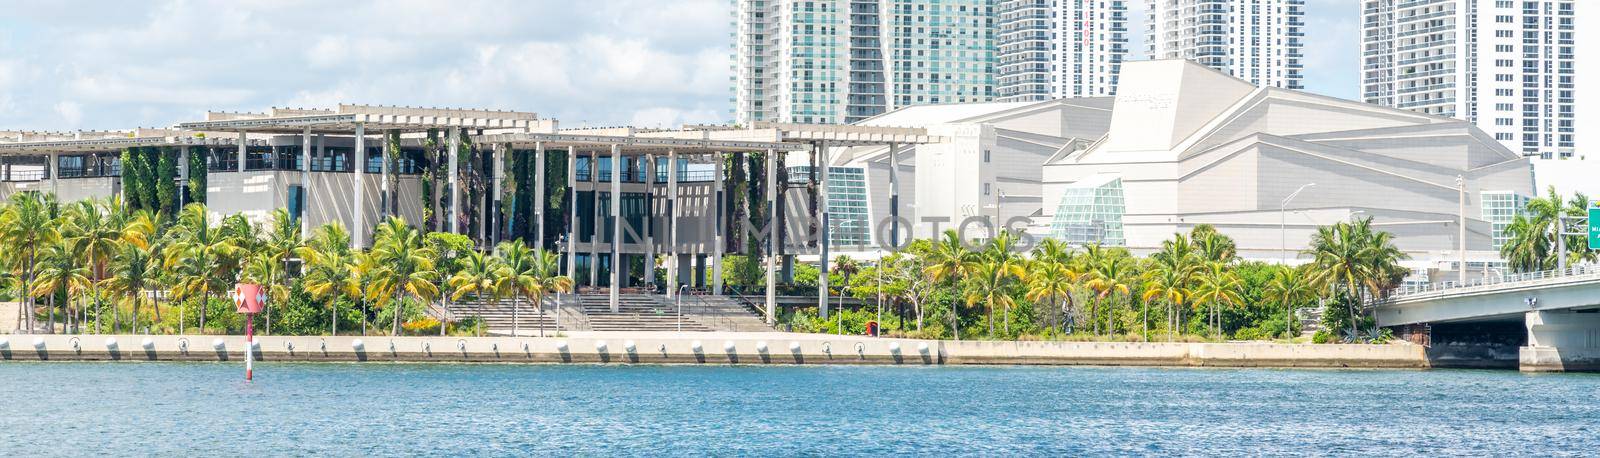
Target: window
987, 156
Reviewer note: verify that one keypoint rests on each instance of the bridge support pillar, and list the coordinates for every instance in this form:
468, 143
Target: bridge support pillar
1561, 341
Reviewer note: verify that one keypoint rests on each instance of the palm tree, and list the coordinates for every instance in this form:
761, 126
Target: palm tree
1107, 274
949, 261
362, 272
60, 271
93, 235
545, 280
404, 268
1168, 279
1049, 280
133, 270
1218, 286
148, 230
516, 275
203, 257
1532, 243
1174, 269
1353, 259
27, 225
1002, 249
1212, 246
987, 284
479, 276
845, 267
331, 274
1289, 287
279, 249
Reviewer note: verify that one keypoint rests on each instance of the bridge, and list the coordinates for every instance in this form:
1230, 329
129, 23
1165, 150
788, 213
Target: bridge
1556, 313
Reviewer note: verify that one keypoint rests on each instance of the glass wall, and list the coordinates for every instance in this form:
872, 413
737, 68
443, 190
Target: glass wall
847, 205
1499, 208
1091, 212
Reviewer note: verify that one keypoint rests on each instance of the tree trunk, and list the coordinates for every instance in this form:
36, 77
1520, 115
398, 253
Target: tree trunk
334, 306
399, 309
991, 320
204, 299
538, 303
515, 326
918, 305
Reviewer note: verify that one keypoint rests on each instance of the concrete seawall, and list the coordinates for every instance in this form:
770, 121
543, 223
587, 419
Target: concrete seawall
700, 348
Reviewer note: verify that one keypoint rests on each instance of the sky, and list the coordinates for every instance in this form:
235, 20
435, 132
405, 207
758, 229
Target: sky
649, 63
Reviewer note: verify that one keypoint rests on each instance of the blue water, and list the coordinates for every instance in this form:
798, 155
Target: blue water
178, 409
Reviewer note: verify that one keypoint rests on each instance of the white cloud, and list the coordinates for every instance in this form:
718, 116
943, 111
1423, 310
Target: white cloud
70, 112
161, 63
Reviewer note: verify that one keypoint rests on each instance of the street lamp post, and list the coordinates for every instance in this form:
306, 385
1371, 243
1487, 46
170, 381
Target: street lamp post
681, 289
1283, 222
1461, 235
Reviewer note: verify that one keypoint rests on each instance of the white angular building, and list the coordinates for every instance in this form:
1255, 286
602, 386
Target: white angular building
1255, 40
1059, 48
1188, 145
982, 164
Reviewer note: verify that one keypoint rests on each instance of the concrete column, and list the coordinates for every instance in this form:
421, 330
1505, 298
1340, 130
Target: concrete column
305, 181
894, 196
241, 149
772, 236
717, 225
822, 228
454, 147
572, 209
359, 194
616, 226
385, 198
538, 194
649, 170
53, 170
183, 175
322, 153
485, 201
501, 153
683, 270
675, 278
596, 217
1561, 340
699, 270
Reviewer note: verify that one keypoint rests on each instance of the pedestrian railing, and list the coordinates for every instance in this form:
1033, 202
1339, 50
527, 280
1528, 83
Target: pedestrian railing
1576, 273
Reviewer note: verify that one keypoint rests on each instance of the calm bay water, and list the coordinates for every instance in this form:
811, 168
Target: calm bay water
123, 409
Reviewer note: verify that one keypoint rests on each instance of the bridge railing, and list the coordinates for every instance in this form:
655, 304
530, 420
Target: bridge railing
1495, 282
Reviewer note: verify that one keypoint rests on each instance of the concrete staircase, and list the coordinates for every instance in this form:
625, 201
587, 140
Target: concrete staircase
636, 312
1310, 320
498, 319
725, 313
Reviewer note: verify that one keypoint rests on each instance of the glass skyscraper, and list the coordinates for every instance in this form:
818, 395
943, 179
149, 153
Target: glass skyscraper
1060, 48
841, 61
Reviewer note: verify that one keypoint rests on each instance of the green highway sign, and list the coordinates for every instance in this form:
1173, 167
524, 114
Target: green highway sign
1594, 228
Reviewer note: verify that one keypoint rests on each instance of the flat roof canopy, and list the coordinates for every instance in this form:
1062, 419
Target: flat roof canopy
346, 123
376, 118
635, 144
111, 144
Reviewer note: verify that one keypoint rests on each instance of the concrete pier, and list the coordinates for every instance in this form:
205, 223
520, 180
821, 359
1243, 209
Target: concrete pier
701, 348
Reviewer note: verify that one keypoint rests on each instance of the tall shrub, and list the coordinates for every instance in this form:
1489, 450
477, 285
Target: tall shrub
197, 174
166, 185
132, 178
